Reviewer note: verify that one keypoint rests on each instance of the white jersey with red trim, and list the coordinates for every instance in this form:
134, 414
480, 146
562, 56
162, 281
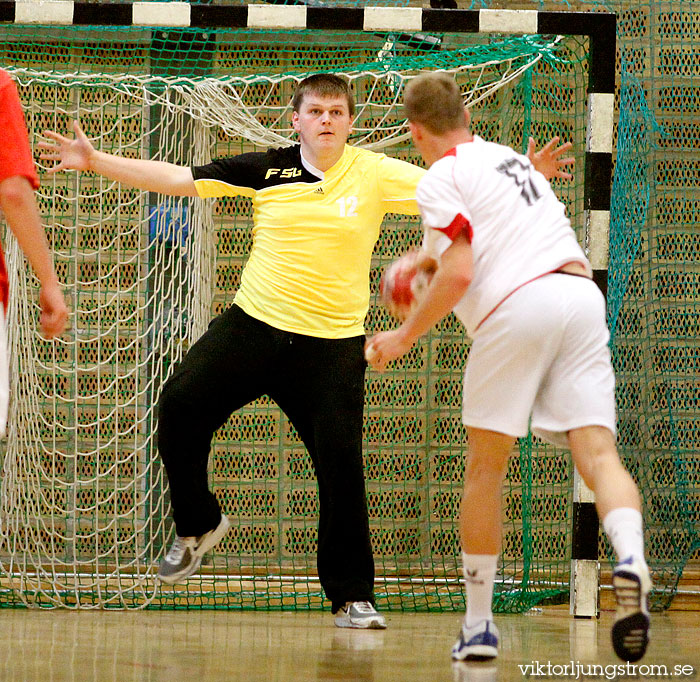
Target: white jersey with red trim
517, 227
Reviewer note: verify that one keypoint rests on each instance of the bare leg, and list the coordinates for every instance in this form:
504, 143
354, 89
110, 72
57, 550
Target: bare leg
595, 455
618, 503
480, 518
480, 533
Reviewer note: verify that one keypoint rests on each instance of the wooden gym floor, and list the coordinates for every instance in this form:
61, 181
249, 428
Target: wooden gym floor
208, 646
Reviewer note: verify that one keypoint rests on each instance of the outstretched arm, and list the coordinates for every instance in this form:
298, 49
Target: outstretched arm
78, 153
549, 161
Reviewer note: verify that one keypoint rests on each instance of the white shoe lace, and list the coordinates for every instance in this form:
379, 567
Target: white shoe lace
177, 551
363, 607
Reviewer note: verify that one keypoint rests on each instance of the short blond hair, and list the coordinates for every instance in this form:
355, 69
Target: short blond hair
434, 100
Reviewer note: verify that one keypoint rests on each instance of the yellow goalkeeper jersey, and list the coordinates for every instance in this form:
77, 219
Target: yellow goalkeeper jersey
313, 232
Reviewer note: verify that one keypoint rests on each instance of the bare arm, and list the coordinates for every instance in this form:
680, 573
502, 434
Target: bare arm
549, 161
450, 281
79, 154
19, 207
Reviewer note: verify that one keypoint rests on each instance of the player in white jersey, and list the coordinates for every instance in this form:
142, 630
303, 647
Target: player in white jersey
523, 231
512, 271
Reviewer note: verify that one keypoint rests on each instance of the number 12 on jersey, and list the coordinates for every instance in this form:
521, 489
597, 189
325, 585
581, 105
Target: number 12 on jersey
347, 206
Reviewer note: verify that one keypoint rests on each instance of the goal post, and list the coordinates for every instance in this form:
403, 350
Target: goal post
84, 509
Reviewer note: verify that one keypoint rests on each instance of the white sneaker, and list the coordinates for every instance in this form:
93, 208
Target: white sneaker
185, 554
478, 643
359, 614
630, 631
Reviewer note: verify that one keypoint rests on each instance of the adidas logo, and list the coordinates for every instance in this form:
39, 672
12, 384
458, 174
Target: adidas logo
471, 577
318, 191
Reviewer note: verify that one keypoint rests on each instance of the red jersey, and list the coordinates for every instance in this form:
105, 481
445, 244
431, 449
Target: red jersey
15, 153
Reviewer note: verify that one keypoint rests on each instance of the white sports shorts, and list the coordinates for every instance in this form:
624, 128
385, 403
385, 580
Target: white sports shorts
542, 355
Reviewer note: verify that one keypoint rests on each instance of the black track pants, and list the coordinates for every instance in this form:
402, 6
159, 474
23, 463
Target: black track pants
319, 384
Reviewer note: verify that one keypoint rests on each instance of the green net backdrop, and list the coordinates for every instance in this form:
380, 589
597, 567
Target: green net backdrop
85, 517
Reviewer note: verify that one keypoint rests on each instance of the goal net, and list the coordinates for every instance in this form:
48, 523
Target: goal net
84, 508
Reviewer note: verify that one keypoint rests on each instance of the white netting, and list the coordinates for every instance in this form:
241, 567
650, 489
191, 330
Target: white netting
236, 105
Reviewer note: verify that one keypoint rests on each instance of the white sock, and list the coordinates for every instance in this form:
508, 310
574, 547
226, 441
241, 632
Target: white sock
479, 575
624, 528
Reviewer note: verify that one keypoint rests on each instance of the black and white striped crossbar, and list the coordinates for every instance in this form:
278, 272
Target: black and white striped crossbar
600, 27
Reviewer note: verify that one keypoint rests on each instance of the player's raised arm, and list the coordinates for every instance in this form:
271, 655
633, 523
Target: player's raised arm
78, 153
549, 161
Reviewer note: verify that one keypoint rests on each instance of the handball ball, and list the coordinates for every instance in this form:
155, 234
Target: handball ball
404, 283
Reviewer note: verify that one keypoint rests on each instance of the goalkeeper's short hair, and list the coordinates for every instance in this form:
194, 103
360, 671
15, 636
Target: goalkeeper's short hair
324, 85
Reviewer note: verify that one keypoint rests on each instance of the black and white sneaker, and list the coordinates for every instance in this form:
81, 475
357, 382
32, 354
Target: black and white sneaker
478, 643
630, 631
185, 554
359, 614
